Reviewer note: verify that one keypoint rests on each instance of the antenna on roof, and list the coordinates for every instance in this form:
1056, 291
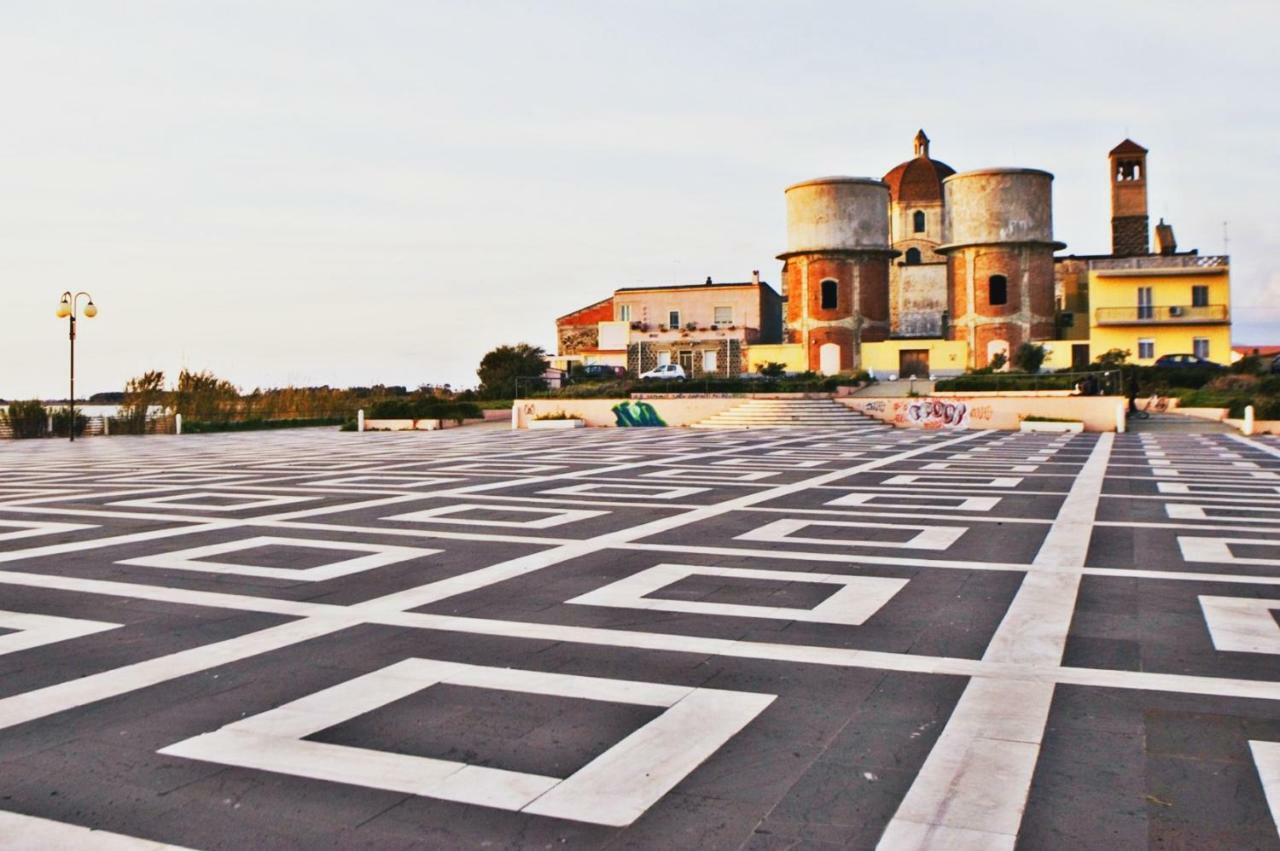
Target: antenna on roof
1226, 240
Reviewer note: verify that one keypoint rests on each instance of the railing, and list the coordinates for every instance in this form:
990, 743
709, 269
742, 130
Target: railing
1162, 261
1161, 314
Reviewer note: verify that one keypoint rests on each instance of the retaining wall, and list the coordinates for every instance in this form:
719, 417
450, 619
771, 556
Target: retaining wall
959, 411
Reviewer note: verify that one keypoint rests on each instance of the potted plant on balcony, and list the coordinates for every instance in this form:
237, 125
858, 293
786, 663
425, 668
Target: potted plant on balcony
691, 326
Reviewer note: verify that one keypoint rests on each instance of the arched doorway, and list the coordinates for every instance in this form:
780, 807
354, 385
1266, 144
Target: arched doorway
829, 358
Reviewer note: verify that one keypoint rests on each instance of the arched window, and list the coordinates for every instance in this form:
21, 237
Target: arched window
998, 290
917, 221
830, 296
913, 256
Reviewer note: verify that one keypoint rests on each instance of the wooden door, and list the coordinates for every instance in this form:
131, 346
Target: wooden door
913, 363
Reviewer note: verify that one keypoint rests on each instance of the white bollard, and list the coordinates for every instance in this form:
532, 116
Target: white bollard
1247, 429
1120, 418
177, 423
360, 420
515, 416
106, 425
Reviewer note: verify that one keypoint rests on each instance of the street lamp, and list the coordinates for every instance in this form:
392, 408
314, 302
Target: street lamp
67, 310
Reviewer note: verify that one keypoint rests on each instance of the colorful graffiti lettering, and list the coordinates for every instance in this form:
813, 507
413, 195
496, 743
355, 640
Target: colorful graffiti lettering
636, 415
935, 413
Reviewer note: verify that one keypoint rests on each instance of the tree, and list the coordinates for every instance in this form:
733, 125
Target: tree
500, 368
1029, 357
997, 362
1113, 358
772, 369
204, 397
141, 394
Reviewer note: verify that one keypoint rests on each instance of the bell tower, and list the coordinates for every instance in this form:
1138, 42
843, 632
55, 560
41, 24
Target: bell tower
1129, 223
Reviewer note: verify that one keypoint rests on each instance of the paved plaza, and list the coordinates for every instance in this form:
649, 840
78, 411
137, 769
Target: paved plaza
640, 638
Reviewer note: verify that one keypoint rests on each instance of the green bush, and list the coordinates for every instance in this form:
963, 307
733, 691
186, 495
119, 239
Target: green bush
423, 409
205, 426
806, 382
28, 419
1011, 381
1029, 357
62, 422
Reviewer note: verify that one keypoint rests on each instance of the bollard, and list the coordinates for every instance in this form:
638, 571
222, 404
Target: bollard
360, 420
1247, 428
106, 425
177, 423
50, 425
1120, 418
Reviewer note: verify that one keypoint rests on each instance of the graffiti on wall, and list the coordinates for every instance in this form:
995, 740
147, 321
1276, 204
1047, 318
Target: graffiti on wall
931, 413
636, 415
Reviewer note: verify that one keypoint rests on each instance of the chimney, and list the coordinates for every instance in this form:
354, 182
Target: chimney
1165, 243
755, 277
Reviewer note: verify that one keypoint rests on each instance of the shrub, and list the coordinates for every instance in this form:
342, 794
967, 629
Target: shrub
557, 415
979, 381
141, 394
1029, 357
202, 427
997, 362
62, 422
1112, 357
424, 409
28, 419
772, 369
1243, 383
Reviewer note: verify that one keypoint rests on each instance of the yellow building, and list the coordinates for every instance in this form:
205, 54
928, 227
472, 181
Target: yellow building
1161, 305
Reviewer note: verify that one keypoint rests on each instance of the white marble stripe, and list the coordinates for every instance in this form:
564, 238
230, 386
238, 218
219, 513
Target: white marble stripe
979, 772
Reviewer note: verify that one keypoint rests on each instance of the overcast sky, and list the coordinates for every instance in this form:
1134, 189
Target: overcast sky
360, 192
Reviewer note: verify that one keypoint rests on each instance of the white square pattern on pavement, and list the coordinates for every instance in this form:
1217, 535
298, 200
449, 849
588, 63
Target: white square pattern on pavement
615, 788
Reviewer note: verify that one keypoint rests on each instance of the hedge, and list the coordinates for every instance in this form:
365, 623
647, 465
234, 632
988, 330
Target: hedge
423, 409
204, 426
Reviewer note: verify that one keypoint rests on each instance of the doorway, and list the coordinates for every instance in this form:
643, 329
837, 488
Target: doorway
913, 363
1079, 356
685, 359
829, 358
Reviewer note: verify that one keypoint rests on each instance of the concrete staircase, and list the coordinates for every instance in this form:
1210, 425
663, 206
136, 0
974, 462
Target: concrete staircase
791, 413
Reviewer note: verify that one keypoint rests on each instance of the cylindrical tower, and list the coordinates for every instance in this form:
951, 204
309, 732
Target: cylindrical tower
998, 239
835, 270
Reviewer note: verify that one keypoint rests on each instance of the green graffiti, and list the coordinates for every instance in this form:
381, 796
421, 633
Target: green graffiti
642, 415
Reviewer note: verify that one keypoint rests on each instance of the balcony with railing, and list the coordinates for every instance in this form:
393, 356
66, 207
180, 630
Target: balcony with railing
1163, 314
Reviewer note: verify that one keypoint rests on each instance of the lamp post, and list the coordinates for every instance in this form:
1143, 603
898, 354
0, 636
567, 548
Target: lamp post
67, 310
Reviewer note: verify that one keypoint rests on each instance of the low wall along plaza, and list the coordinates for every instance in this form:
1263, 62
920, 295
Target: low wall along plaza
1098, 413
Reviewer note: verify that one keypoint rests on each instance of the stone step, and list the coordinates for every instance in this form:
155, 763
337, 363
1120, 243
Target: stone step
791, 413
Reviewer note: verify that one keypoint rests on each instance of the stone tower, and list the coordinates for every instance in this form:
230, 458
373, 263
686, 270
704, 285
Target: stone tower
998, 227
1129, 230
918, 277
835, 271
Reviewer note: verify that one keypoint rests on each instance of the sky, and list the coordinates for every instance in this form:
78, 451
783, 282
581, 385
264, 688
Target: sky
351, 193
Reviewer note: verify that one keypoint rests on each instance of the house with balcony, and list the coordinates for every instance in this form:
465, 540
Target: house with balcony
1150, 305
706, 328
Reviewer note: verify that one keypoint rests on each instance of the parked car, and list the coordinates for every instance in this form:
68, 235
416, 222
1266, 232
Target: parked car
598, 372
1186, 362
665, 372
